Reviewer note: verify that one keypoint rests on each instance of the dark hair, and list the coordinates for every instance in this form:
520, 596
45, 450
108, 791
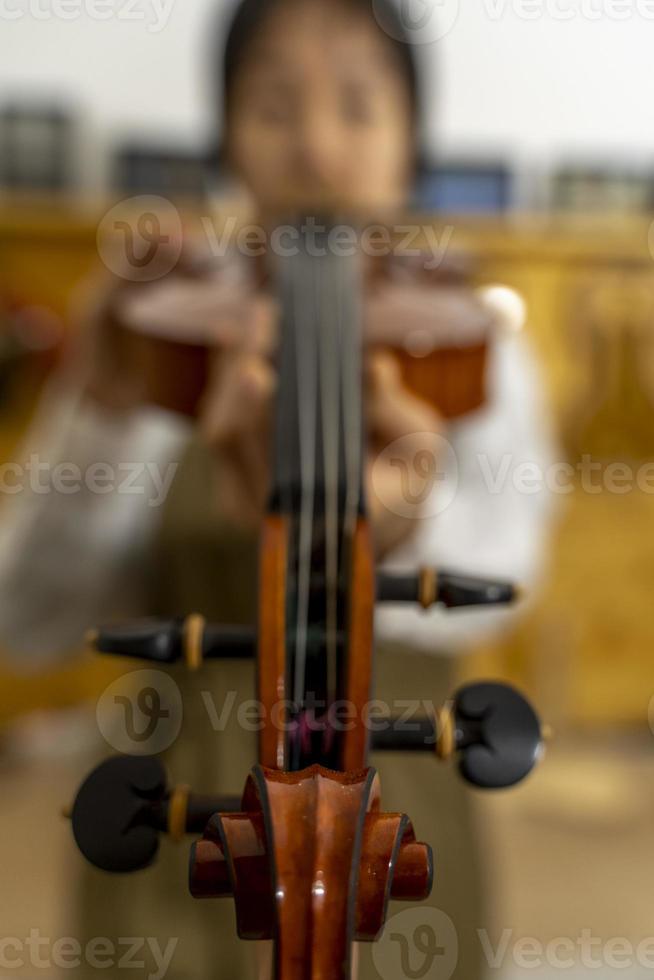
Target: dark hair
250, 15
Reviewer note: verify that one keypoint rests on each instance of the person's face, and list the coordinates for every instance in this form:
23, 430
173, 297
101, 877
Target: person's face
320, 115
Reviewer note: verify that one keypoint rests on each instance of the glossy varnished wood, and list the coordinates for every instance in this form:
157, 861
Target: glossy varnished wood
272, 641
360, 651
311, 862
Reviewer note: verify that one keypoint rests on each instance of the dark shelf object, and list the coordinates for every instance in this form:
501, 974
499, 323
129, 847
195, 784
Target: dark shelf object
165, 170
36, 147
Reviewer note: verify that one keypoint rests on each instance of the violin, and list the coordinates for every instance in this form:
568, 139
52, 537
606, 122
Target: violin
446, 369
308, 854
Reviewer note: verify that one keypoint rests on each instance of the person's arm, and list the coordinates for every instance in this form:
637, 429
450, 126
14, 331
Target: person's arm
72, 558
78, 509
484, 520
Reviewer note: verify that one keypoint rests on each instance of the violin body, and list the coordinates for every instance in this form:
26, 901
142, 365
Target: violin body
449, 373
174, 374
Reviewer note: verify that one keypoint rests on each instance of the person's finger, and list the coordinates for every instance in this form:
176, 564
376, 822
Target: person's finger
235, 421
237, 399
392, 410
237, 500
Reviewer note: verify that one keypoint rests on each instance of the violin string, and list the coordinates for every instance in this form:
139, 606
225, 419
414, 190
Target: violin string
330, 350
352, 371
286, 354
304, 329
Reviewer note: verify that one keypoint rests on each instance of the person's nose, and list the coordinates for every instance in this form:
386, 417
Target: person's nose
320, 153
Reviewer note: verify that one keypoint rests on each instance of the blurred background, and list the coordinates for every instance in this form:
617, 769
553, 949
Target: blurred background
538, 153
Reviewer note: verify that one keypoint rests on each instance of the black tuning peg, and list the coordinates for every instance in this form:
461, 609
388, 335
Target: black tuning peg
497, 735
125, 804
490, 727
437, 587
167, 641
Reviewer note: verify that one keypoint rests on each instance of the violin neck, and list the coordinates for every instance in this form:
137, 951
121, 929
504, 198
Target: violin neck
317, 482
319, 429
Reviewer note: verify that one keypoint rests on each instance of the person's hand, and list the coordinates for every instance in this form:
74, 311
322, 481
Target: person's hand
236, 415
238, 409
195, 303
236, 421
394, 415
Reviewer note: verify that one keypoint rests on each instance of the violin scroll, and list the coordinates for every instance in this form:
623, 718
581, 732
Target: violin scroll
279, 889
